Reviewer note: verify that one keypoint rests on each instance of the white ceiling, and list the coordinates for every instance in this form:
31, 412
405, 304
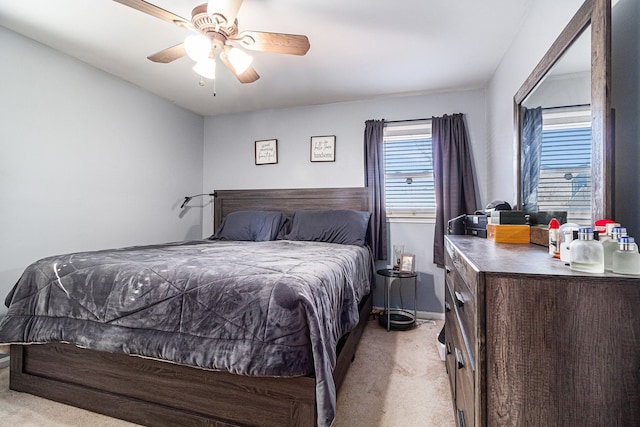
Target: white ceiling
359, 48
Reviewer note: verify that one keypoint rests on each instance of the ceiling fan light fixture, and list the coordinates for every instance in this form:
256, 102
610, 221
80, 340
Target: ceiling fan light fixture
216, 25
239, 59
206, 68
197, 47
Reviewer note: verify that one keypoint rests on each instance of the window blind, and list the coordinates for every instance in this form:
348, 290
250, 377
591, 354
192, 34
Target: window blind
565, 164
409, 186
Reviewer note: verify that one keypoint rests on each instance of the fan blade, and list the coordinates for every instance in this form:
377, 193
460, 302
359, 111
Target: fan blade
224, 8
249, 76
157, 12
169, 54
291, 44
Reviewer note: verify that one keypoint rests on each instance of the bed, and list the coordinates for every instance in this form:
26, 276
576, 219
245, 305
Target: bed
150, 390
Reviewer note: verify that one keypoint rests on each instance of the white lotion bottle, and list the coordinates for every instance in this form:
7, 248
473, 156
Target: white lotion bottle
565, 237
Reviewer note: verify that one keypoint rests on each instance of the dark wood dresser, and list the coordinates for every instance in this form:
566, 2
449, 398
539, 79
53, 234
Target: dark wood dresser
531, 343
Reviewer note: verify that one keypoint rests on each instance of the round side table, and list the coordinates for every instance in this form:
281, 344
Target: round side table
397, 318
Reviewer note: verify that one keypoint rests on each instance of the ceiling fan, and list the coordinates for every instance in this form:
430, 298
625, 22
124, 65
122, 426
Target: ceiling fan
216, 28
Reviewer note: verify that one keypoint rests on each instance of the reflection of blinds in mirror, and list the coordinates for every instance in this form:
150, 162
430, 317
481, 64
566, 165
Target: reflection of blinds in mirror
409, 185
565, 164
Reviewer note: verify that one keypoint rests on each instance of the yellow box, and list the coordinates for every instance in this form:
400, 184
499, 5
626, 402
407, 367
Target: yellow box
508, 233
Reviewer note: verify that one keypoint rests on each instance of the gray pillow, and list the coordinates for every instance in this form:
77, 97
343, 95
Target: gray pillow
254, 226
344, 226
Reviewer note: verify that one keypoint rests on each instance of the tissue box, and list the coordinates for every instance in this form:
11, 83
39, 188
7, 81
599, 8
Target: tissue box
508, 233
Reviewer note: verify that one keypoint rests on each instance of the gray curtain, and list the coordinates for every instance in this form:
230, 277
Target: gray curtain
530, 150
374, 180
453, 175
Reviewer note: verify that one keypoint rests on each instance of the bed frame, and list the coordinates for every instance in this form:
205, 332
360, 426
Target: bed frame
151, 392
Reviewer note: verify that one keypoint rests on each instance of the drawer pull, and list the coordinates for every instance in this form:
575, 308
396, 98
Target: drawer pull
448, 347
447, 307
447, 270
459, 299
459, 359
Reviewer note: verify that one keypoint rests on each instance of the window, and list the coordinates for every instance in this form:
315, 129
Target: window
565, 162
409, 186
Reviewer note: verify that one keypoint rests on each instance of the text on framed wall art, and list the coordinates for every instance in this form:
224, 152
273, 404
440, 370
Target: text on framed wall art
266, 151
323, 148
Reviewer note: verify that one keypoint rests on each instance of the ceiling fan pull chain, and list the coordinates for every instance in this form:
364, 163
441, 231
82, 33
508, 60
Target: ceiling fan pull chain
214, 87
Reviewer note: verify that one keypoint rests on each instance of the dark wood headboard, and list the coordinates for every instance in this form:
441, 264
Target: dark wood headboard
288, 200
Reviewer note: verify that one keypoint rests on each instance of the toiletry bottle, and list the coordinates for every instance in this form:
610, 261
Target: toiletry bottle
601, 228
587, 254
626, 260
611, 246
565, 237
554, 249
610, 226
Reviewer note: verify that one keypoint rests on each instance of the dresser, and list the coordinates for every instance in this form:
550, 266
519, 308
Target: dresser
531, 343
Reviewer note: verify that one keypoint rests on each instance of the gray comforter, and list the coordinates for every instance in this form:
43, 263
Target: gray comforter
253, 308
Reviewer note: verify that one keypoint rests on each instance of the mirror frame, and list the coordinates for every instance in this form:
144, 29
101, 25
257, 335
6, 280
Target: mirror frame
596, 13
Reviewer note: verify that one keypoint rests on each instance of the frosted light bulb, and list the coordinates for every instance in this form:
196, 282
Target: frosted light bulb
206, 68
197, 47
239, 59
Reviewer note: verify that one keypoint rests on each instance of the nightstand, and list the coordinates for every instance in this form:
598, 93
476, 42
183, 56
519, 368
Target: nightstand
397, 318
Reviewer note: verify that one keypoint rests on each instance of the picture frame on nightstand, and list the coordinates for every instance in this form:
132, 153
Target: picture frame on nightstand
408, 263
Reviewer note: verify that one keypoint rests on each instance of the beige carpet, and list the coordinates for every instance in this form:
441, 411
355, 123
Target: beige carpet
397, 379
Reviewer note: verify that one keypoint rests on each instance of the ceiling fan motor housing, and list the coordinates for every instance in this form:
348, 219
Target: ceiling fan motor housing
214, 26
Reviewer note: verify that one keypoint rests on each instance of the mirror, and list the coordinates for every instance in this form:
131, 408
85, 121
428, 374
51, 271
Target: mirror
555, 137
563, 123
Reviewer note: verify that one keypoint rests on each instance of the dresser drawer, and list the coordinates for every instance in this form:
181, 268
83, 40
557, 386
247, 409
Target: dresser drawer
451, 337
465, 389
460, 316
455, 261
464, 305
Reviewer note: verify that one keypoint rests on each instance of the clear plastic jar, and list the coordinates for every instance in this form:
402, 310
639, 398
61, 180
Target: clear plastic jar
587, 254
626, 260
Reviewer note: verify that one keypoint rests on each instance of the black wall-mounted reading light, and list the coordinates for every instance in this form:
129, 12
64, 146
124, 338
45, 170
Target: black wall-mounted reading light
187, 198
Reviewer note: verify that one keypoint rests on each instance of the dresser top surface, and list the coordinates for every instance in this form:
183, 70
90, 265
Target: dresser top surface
490, 257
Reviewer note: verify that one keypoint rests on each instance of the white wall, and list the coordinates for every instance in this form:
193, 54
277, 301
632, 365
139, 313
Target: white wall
229, 159
561, 90
87, 160
544, 22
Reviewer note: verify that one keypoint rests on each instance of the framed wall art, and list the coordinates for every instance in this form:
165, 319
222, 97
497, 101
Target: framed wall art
266, 152
323, 148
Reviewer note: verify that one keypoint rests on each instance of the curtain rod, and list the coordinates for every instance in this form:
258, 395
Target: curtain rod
566, 106
403, 121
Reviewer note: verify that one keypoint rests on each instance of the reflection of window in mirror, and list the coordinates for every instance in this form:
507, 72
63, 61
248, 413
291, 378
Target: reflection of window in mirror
555, 145
565, 162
